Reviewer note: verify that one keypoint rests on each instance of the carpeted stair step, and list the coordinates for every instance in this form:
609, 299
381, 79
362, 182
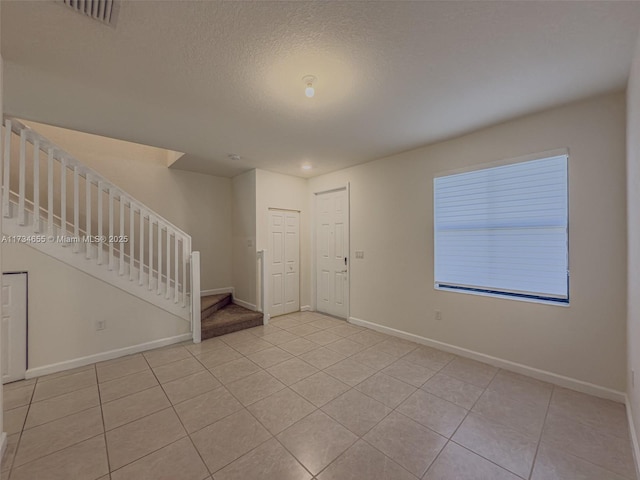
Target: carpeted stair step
212, 303
228, 319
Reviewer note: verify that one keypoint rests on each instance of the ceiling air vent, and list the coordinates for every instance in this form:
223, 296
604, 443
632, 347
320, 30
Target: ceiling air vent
105, 11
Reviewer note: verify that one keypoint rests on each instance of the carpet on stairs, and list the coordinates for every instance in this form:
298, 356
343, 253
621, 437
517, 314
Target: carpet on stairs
219, 320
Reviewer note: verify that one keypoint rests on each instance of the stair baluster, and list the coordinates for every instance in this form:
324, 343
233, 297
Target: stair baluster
49, 192
169, 287
76, 210
7, 170
110, 234
63, 199
36, 185
22, 177
159, 289
141, 262
99, 244
151, 252
88, 246
132, 240
121, 235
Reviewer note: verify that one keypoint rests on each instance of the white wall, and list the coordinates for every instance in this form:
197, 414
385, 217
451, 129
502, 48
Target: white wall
196, 203
633, 242
274, 190
244, 237
392, 222
64, 305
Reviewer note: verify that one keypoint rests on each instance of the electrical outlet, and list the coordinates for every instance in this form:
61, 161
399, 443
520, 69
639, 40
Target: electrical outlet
250, 243
101, 325
438, 315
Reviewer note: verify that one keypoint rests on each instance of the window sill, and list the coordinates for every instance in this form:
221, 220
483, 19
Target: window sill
504, 296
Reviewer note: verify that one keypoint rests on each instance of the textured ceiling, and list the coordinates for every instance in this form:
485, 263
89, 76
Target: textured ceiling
214, 78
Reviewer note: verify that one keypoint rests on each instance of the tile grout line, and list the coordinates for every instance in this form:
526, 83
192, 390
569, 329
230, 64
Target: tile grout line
272, 436
178, 416
582, 424
255, 402
61, 394
104, 427
244, 407
450, 440
391, 410
50, 453
544, 424
145, 416
151, 369
13, 460
275, 436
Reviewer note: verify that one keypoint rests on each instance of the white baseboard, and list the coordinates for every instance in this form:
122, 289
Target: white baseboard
244, 304
546, 376
3, 446
108, 355
216, 291
634, 438
305, 308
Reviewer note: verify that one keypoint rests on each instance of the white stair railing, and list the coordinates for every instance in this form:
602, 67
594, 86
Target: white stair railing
106, 230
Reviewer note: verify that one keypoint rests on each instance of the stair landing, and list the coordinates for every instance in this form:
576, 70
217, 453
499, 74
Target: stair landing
219, 316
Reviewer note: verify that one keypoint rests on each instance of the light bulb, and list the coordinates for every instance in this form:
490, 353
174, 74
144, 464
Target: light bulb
309, 80
309, 91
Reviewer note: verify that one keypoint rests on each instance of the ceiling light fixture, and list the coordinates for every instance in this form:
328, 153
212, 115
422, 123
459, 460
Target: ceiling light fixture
306, 167
234, 156
309, 90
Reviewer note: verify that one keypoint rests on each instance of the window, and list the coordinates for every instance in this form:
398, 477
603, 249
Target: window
503, 230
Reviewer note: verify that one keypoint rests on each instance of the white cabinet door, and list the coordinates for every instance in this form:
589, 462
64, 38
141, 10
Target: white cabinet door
284, 262
14, 326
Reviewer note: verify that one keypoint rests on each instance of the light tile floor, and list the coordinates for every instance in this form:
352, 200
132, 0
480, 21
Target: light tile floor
307, 397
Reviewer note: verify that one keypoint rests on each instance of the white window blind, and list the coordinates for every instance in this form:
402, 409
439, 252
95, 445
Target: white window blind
503, 230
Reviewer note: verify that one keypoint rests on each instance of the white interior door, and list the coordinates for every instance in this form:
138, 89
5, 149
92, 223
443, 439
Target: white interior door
284, 266
14, 326
332, 252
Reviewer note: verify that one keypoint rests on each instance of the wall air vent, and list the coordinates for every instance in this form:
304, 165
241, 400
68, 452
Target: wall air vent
105, 11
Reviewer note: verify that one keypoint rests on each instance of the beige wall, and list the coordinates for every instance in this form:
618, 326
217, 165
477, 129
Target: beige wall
274, 190
196, 203
392, 222
633, 218
64, 305
244, 237
1, 116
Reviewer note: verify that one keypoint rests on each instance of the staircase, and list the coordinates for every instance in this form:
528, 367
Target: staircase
220, 316
59, 206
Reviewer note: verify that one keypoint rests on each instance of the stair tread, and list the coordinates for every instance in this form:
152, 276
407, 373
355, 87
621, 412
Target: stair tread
229, 319
230, 314
210, 300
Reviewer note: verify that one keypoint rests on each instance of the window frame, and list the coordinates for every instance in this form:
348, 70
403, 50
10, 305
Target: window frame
503, 294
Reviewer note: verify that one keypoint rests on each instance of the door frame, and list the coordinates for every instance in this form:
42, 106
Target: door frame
314, 252
265, 291
26, 340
